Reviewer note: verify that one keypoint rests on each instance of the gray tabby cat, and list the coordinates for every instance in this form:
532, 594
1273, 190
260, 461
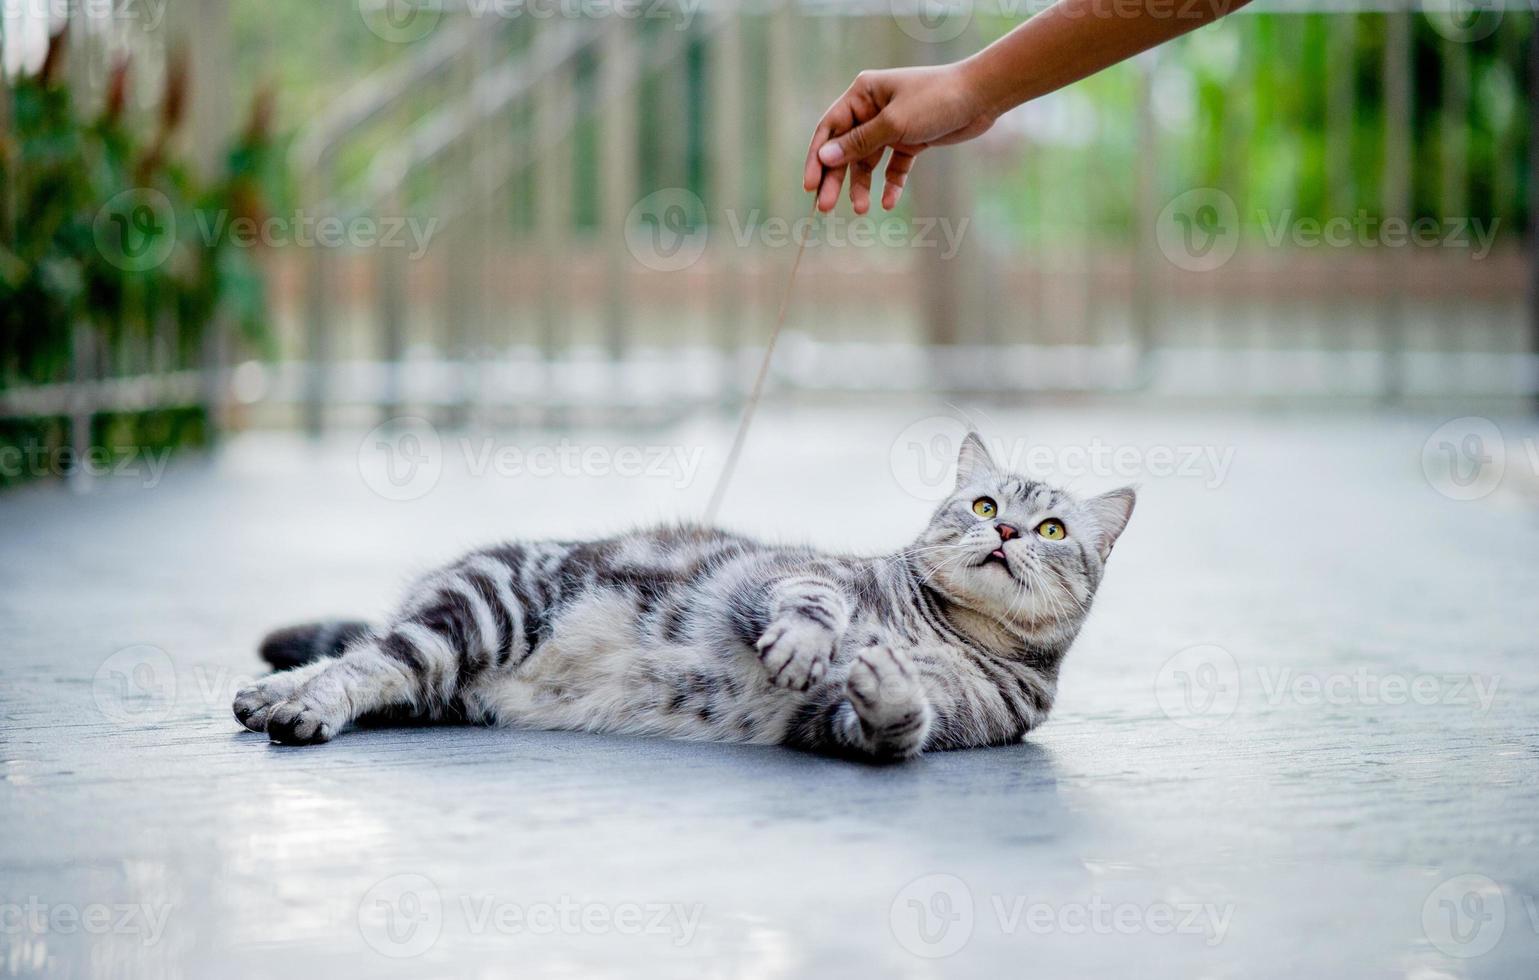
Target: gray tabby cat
696, 633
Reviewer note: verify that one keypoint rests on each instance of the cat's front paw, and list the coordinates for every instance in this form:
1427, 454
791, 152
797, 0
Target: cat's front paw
884, 688
253, 705
296, 722
796, 652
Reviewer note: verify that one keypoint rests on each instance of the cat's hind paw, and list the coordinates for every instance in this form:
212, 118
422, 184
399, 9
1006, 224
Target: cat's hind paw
884, 688
796, 652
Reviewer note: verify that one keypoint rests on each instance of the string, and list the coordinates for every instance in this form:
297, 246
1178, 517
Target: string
757, 391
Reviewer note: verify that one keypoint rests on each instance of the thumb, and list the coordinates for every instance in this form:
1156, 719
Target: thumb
860, 142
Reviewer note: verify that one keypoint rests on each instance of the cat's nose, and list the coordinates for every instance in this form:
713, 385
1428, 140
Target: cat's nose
1007, 531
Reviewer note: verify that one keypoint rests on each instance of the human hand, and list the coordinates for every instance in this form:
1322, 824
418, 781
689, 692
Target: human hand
906, 109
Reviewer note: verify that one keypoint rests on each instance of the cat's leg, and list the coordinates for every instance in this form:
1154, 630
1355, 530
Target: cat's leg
804, 615
880, 710
254, 703
464, 621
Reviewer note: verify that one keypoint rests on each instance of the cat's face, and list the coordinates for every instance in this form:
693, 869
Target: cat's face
1019, 550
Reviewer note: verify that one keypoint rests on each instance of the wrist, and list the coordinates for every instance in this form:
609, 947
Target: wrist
989, 88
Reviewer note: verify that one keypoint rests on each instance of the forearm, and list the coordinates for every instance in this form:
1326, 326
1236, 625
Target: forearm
1076, 38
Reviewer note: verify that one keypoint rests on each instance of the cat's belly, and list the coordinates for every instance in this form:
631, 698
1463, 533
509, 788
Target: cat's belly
597, 673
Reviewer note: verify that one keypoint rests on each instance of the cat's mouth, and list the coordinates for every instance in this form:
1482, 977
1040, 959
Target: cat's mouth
997, 557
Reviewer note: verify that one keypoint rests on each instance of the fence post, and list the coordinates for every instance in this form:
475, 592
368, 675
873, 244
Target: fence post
318, 311
724, 92
553, 213
1340, 179
1533, 193
939, 191
1145, 214
83, 374
1396, 203
618, 85
391, 292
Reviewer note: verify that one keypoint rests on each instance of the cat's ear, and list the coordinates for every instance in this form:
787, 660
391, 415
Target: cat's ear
974, 461
1111, 511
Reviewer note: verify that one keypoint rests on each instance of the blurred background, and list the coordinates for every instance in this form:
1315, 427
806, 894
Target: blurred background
1278, 273
302, 216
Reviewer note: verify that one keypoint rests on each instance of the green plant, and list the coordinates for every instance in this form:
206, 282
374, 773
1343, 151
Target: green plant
111, 264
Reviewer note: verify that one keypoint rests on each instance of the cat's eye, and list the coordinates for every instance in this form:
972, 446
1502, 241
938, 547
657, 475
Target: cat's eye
1052, 529
985, 507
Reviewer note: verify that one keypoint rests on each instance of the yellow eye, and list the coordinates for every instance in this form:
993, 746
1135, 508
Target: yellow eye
1052, 529
985, 507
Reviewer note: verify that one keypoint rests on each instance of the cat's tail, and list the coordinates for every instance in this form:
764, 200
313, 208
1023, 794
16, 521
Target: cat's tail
294, 646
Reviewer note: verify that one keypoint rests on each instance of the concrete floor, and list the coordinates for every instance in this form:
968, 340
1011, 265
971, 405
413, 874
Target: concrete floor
1298, 738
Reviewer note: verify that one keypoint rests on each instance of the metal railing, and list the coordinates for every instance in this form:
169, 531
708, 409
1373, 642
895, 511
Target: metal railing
1060, 300
566, 164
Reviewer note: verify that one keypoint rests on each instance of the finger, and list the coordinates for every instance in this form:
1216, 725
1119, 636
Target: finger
895, 176
839, 117
861, 172
828, 191
862, 141
812, 170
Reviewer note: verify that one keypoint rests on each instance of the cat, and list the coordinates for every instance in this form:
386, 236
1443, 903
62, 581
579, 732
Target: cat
695, 633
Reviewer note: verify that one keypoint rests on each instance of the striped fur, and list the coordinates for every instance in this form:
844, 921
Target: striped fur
688, 632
